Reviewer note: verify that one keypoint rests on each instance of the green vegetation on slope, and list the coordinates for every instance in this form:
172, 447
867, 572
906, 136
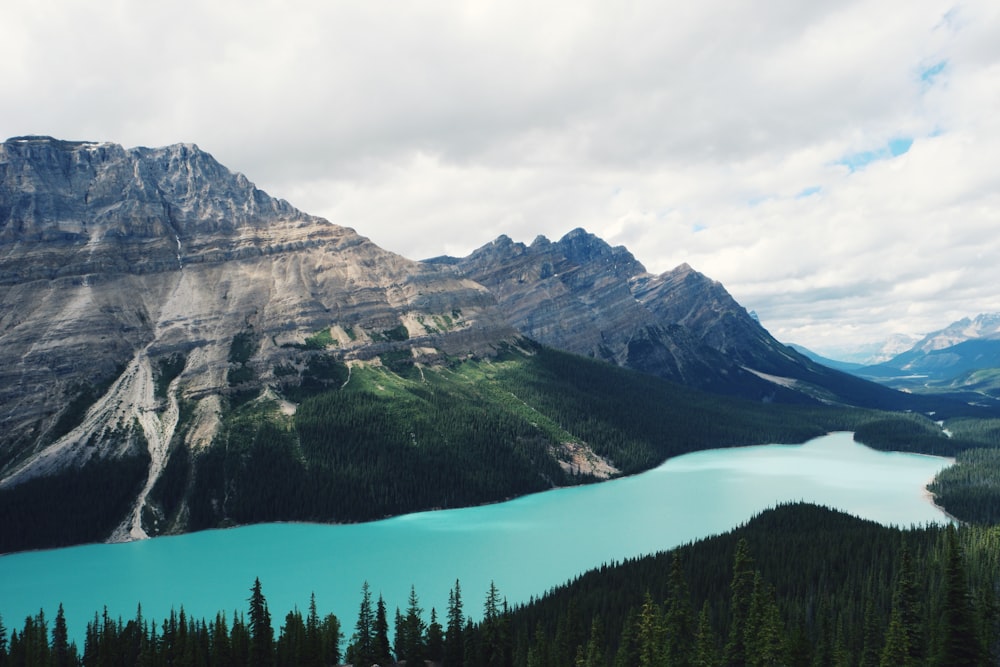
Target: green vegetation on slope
374, 441
798, 585
72, 506
382, 440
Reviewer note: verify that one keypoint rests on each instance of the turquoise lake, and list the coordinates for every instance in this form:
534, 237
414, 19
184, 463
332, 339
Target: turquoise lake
525, 546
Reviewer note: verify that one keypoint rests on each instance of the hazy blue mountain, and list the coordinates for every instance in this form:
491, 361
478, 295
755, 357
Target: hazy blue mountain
963, 359
846, 366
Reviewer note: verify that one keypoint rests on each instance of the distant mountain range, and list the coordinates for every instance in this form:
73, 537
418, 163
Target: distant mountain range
157, 308
962, 359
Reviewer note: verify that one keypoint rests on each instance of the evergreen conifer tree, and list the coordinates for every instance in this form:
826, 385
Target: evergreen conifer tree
650, 633
706, 651
435, 638
330, 638
678, 618
593, 652
361, 650
454, 648
3, 643
312, 649
413, 628
870, 641
382, 652
741, 595
61, 656
261, 631
959, 642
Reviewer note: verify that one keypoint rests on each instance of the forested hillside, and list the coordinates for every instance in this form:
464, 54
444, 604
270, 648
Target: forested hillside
359, 443
797, 585
373, 440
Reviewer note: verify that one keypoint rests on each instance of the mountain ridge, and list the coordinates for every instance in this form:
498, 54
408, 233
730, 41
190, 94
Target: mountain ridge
158, 310
582, 295
116, 260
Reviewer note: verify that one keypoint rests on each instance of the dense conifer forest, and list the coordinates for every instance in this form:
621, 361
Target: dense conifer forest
797, 585
378, 440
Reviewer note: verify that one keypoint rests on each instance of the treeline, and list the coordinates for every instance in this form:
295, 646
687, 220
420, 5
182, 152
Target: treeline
180, 641
385, 443
829, 589
970, 489
71, 507
797, 585
372, 442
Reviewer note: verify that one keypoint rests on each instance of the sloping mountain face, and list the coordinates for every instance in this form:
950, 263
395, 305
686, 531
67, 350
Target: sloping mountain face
135, 279
982, 326
845, 366
963, 358
178, 350
582, 295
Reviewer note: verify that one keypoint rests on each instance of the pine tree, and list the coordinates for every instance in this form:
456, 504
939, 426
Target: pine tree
454, 647
628, 645
435, 638
903, 642
870, 642
764, 634
239, 641
593, 653
650, 633
261, 632
413, 631
61, 656
291, 641
3, 643
330, 638
706, 651
492, 630
312, 650
382, 652
958, 635
362, 648
221, 650
678, 617
741, 592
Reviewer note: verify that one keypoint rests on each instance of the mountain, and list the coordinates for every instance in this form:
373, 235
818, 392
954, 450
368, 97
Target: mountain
846, 366
135, 280
962, 359
179, 350
582, 295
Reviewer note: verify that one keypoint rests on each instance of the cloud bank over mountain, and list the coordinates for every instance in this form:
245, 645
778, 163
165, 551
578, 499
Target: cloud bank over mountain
832, 163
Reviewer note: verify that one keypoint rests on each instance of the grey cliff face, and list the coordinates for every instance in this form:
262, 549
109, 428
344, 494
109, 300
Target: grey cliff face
582, 295
142, 289
114, 260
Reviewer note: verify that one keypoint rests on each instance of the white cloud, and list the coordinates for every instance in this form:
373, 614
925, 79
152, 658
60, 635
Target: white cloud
713, 133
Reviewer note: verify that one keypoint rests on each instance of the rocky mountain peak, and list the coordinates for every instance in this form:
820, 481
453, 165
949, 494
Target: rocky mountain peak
116, 263
580, 246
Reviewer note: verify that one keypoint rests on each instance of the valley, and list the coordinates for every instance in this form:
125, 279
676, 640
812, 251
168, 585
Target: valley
180, 352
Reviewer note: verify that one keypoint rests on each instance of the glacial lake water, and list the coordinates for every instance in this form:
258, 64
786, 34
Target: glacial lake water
526, 545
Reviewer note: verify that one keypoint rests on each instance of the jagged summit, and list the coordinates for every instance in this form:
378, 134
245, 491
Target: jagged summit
583, 295
148, 295
116, 263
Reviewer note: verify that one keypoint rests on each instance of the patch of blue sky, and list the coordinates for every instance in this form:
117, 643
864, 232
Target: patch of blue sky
894, 148
809, 192
928, 74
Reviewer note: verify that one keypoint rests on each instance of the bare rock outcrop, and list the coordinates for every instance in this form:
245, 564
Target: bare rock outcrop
129, 279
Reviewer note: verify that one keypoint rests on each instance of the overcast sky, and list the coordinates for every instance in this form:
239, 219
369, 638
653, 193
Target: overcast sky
835, 164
